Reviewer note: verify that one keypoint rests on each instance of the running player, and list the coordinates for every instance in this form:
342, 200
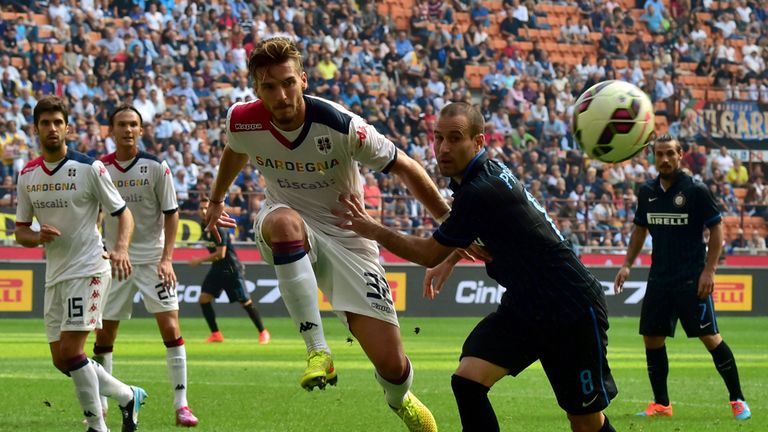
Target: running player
63, 189
308, 150
553, 309
146, 184
675, 209
226, 274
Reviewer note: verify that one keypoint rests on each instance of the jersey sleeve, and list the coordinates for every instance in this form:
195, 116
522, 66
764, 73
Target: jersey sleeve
369, 146
460, 229
24, 210
232, 141
707, 206
641, 214
164, 190
223, 234
104, 190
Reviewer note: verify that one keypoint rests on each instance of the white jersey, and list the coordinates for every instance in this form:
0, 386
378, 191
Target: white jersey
146, 185
68, 197
309, 173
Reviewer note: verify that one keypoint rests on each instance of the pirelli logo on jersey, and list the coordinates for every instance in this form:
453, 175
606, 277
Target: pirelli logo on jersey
733, 293
668, 218
15, 290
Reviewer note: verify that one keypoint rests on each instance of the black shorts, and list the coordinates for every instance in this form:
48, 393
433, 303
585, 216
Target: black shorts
233, 283
573, 358
665, 303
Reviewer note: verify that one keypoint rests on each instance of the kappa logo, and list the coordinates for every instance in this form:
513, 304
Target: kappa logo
248, 126
306, 326
362, 134
95, 281
180, 387
102, 170
323, 144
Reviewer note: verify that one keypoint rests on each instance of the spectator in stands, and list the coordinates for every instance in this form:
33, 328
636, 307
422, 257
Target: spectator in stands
737, 174
637, 48
757, 242
722, 161
610, 46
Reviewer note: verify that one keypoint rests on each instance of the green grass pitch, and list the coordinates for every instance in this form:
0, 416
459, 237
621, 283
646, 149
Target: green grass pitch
241, 386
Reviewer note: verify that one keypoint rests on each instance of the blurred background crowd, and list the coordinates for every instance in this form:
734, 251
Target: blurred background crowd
396, 63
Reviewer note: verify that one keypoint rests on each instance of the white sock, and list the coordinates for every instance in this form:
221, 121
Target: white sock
112, 387
176, 359
298, 286
87, 391
395, 393
106, 362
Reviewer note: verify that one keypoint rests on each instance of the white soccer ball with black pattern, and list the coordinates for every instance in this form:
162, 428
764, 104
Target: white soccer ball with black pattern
613, 121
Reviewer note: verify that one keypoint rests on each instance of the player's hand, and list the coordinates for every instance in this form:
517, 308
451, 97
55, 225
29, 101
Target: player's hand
706, 284
356, 218
475, 252
621, 276
121, 265
435, 278
166, 274
48, 233
194, 262
216, 216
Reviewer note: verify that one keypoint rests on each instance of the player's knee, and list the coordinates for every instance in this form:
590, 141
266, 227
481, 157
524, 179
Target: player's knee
283, 225
61, 366
246, 303
464, 387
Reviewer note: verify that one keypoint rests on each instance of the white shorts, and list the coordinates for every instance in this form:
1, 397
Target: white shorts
144, 279
347, 270
75, 305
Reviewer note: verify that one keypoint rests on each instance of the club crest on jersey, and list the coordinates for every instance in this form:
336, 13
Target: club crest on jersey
679, 200
323, 144
71, 172
143, 169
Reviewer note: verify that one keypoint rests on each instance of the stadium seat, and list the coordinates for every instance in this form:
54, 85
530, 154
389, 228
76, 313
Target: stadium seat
740, 193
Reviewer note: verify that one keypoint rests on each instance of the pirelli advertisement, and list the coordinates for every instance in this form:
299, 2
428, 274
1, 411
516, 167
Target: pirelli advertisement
469, 291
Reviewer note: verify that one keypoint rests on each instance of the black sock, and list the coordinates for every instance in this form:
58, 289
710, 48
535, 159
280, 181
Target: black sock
255, 316
658, 369
607, 426
210, 316
726, 365
475, 409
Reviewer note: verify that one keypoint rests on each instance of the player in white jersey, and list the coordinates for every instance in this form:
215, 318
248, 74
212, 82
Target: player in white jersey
309, 150
146, 184
63, 190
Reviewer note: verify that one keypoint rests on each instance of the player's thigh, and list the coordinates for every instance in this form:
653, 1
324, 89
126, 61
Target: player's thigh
264, 249
500, 338
697, 316
213, 284
574, 359
353, 280
234, 286
658, 316
82, 302
118, 304
156, 295
54, 312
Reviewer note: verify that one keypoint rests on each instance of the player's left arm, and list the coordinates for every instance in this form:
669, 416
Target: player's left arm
166, 195
424, 251
420, 185
108, 196
710, 213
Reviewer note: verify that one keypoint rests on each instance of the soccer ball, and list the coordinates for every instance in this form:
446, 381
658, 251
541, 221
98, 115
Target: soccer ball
612, 121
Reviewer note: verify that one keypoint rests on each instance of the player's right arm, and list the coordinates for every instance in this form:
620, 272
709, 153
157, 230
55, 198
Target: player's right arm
636, 241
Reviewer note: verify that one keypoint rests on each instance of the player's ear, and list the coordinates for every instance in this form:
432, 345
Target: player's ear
479, 141
304, 83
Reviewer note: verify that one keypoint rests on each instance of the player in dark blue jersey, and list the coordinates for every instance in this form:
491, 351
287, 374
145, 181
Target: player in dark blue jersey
675, 209
553, 309
227, 273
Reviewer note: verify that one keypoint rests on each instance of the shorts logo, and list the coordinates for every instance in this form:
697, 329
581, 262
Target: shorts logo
323, 144
679, 200
95, 281
248, 126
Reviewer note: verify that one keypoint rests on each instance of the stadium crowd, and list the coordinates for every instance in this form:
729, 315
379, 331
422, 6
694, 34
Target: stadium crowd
183, 64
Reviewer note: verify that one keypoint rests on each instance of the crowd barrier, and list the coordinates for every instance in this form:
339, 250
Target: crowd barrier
469, 292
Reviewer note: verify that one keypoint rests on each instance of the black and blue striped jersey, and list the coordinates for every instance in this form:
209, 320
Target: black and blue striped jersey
676, 219
545, 280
